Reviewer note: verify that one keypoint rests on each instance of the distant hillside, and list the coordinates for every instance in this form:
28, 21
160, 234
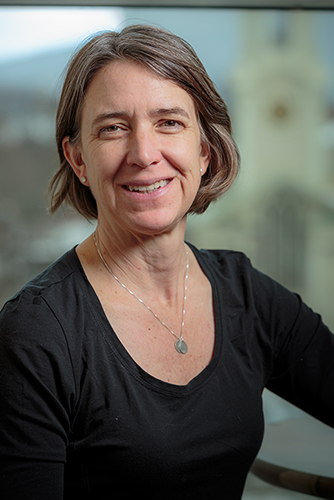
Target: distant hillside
40, 72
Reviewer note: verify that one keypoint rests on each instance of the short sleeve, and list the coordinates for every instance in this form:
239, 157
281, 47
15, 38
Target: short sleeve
302, 363
36, 396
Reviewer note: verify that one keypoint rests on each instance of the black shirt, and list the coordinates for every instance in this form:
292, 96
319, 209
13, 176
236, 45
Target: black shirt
79, 418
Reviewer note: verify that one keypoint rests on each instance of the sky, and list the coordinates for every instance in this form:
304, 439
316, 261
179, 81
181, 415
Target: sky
26, 31
45, 32
67, 27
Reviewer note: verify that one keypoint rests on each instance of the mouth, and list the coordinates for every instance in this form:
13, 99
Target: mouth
148, 189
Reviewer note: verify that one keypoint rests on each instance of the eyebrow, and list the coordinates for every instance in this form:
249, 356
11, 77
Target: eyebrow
107, 116
170, 111
156, 112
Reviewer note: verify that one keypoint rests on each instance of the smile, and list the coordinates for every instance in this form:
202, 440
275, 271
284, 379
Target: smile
148, 189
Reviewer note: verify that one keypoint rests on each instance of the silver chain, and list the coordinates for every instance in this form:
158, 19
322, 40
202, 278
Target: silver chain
179, 338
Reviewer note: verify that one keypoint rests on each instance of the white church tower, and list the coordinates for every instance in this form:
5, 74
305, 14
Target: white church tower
281, 212
278, 99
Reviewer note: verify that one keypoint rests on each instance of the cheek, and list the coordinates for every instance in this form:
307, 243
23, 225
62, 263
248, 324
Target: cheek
103, 160
184, 155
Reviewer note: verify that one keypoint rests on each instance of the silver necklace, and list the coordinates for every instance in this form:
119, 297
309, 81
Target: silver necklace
180, 344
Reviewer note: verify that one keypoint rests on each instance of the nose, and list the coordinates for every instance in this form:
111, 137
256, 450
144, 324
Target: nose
143, 149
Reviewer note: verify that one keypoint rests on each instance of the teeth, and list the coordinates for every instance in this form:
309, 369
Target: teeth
148, 189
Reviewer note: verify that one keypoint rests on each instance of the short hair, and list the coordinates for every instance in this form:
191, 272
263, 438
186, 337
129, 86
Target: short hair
169, 57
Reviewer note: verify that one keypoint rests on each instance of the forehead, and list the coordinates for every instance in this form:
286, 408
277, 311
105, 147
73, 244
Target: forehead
128, 83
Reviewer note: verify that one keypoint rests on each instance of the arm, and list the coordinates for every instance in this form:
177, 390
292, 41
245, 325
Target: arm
301, 369
36, 386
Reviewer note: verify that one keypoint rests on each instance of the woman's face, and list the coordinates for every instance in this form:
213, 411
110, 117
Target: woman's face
140, 149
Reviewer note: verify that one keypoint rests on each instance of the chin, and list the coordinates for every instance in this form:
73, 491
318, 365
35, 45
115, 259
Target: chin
157, 225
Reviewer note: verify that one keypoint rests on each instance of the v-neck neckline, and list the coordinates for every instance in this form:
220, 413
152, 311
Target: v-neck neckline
124, 357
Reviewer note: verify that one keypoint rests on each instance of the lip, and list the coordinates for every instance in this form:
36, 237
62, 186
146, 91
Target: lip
149, 188
147, 183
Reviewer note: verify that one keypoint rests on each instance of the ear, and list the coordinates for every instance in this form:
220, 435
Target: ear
73, 155
204, 157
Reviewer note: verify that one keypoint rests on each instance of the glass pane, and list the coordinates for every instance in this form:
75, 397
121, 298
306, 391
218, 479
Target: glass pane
276, 71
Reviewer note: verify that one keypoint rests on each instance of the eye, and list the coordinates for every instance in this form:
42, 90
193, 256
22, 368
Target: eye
171, 125
110, 131
110, 128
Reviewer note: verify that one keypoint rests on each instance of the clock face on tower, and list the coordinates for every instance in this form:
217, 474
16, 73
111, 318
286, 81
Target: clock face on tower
281, 111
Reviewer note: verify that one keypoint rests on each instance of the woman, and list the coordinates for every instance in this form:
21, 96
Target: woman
135, 364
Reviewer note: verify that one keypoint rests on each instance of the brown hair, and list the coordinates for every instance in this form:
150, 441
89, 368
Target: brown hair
170, 57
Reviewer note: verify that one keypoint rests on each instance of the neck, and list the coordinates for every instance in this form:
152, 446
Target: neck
150, 265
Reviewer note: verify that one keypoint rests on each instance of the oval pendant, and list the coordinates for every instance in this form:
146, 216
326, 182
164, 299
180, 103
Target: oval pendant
181, 346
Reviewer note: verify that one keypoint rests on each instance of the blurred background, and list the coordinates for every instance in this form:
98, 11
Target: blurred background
275, 69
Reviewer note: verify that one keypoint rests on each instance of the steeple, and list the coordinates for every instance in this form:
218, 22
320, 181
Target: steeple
278, 99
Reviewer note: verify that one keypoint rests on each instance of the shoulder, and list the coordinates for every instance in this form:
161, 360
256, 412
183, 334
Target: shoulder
241, 283
235, 266
42, 303
226, 262
41, 327
231, 270
68, 265
39, 367
63, 272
